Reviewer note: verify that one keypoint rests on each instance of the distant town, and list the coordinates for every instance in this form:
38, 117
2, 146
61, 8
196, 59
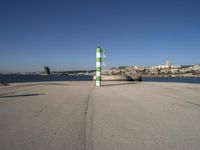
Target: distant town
166, 70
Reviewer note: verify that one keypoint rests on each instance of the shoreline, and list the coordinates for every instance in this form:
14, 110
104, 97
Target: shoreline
170, 76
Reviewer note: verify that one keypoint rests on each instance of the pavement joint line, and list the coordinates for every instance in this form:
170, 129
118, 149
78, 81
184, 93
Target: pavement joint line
86, 116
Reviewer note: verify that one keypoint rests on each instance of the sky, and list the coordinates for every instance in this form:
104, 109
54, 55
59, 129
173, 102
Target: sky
63, 34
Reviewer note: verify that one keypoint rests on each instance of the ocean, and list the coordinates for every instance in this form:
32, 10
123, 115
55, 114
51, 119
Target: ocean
43, 78
173, 79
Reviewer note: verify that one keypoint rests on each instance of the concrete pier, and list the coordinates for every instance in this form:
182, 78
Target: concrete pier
118, 115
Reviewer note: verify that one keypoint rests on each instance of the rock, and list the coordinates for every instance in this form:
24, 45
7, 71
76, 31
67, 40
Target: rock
115, 78
4, 84
136, 77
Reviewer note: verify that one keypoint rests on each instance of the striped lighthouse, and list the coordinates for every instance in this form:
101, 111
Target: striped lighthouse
98, 66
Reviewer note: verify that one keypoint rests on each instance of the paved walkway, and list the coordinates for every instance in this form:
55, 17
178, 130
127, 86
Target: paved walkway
145, 116
44, 116
116, 116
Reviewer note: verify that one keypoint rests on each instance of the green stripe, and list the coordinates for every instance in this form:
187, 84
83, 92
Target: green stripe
98, 50
98, 69
98, 78
98, 59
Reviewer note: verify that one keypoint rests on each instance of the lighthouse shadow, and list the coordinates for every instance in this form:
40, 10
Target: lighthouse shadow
118, 84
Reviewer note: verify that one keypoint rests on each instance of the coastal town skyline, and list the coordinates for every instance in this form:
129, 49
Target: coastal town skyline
65, 34
166, 66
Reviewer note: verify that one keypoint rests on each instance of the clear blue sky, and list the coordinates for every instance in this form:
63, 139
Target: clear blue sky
64, 34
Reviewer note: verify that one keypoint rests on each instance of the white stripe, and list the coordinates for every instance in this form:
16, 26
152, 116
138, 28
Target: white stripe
98, 83
98, 55
98, 74
98, 64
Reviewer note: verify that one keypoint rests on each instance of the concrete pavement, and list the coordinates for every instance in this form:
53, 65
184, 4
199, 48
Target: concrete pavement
116, 116
145, 116
44, 116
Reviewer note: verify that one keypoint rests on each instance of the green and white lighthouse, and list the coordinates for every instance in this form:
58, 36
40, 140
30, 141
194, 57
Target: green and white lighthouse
98, 66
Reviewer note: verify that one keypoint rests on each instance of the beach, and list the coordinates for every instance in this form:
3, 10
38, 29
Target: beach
119, 115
